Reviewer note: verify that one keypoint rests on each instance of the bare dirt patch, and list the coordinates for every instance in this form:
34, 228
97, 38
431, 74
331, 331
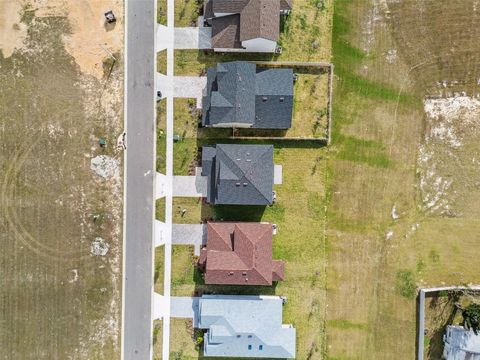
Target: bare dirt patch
60, 299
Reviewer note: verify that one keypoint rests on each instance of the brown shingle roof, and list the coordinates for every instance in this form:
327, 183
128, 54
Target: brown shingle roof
226, 32
240, 254
260, 19
252, 19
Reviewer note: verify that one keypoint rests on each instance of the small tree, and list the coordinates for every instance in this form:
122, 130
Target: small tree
471, 317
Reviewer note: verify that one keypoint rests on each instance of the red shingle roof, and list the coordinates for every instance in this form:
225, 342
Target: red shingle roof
240, 254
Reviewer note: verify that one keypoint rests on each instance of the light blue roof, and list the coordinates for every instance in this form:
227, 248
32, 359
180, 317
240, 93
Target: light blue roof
245, 326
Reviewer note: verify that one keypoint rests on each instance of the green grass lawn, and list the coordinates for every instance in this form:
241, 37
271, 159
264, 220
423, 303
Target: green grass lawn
187, 12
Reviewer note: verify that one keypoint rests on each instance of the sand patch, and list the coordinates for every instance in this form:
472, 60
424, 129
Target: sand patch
105, 166
447, 161
12, 31
90, 41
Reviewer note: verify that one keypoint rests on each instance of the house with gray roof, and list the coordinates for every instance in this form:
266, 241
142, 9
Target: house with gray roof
245, 25
238, 94
245, 326
461, 344
238, 174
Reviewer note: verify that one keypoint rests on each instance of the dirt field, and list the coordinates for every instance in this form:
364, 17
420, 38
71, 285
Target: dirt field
60, 192
402, 194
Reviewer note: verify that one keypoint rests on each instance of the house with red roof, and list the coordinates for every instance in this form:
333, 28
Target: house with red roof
240, 253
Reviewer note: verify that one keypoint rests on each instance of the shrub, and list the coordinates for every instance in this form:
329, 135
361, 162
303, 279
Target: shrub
406, 284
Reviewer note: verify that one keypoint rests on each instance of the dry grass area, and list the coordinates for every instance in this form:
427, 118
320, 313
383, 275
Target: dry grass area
61, 223
383, 238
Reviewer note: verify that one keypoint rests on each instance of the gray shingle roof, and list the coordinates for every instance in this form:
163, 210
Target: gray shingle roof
245, 326
238, 174
238, 94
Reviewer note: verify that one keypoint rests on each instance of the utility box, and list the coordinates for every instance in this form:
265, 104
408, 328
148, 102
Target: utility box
110, 17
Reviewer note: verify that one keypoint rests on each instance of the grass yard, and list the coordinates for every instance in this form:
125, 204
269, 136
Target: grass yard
381, 242
162, 12
161, 161
59, 300
299, 214
162, 62
187, 12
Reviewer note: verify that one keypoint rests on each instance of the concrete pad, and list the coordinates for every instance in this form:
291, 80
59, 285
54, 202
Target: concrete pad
190, 186
193, 38
277, 174
185, 307
190, 234
163, 38
159, 306
160, 186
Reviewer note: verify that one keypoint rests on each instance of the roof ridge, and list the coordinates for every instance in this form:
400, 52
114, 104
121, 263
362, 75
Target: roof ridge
219, 235
252, 255
266, 149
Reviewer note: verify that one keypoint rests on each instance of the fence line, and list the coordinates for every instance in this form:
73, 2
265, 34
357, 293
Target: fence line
320, 65
421, 311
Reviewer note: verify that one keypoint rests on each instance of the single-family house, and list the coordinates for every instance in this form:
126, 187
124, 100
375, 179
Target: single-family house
245, 326
240, 253
238, 94
461, 344
238, 174
245, 25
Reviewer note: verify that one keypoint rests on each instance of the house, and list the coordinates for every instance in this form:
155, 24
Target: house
238, 94
245, 326
240, 254
245, 25
238, 174
461, 344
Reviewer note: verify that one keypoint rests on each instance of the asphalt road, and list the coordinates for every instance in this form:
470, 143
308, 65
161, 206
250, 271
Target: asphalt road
139, 203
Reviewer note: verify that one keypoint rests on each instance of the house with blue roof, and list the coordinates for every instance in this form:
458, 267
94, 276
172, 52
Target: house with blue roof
245, 326
240, 95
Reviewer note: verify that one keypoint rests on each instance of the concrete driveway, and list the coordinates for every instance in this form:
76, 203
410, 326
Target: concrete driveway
189, 87
185, 307
193, 38
190, 234
190, 186
183, 87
